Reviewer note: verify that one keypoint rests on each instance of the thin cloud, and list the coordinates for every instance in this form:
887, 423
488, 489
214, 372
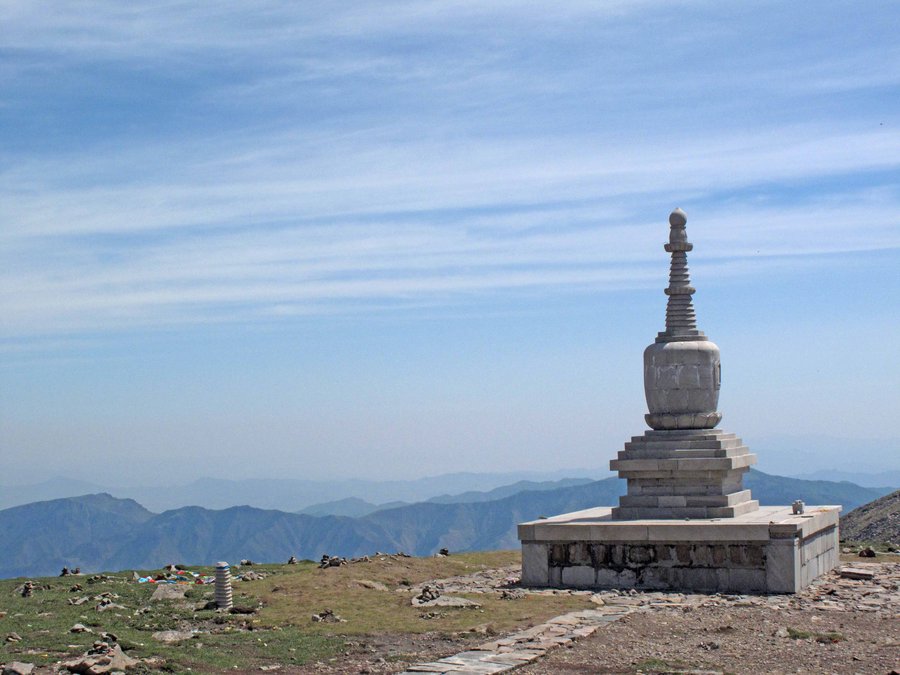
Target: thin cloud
416, 154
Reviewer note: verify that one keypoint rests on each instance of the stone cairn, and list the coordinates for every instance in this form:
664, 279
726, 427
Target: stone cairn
224, 598
683, 467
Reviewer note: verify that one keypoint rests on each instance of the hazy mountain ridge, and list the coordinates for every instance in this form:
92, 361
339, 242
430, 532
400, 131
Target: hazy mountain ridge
508, 490
878, 480
40, 538
770, 489
354, 507
351, 507
284, 494
98, 532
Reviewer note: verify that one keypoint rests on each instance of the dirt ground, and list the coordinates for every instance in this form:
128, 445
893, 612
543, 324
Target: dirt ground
837, 625
390, 653
734, 640
722, 639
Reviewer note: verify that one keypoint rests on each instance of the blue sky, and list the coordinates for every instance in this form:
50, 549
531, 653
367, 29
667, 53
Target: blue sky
395, 239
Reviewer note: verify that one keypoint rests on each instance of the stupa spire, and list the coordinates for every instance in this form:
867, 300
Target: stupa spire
681, 320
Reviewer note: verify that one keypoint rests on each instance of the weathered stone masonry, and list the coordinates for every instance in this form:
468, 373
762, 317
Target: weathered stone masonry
686, 522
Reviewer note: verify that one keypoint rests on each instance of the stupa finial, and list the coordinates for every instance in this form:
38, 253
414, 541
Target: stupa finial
682, 370
681, 321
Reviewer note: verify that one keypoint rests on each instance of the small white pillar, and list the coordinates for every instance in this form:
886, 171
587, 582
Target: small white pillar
224, 599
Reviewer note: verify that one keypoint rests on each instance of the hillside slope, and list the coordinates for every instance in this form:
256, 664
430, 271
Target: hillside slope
427, 527
42, 537
877, 521
100, 532
772, 490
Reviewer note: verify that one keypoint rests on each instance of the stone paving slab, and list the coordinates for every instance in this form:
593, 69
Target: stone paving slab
514, 650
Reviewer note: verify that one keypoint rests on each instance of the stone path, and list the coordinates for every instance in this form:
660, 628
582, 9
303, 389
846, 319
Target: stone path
831, 592
525, 646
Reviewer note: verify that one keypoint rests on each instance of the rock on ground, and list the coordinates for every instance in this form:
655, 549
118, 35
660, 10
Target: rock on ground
101, 659
169, 592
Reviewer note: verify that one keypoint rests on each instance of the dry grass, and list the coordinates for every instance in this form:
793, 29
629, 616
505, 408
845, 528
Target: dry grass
292, 599
281, 631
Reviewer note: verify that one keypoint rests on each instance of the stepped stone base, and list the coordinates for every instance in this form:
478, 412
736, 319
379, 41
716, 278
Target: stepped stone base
695, 473
769, 550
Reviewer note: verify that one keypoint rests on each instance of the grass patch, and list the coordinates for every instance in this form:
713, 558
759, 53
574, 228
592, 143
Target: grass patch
796, 634
292, 600
280, 632
224, 641
824, 638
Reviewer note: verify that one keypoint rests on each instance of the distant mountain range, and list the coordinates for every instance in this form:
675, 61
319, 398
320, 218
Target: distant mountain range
100, 532
354, 507
882, 479
285, 494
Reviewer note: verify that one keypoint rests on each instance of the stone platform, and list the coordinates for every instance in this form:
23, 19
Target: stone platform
769, 550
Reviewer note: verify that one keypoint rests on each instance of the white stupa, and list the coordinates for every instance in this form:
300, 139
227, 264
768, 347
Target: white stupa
686, 522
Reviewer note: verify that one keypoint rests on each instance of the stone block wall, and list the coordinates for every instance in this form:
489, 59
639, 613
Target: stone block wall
772, 566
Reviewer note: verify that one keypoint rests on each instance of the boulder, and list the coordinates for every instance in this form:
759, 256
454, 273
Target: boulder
169, 592
170, 636
102, 658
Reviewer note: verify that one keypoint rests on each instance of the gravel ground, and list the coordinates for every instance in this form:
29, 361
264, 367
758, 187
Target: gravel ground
836, 625
734, 640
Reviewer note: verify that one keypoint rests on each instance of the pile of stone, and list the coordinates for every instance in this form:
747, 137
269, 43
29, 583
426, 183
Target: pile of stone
106, 601
102, 658
431, 596
339, 561
332, 561
328, 616
427, 594
398, 554
484, 581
